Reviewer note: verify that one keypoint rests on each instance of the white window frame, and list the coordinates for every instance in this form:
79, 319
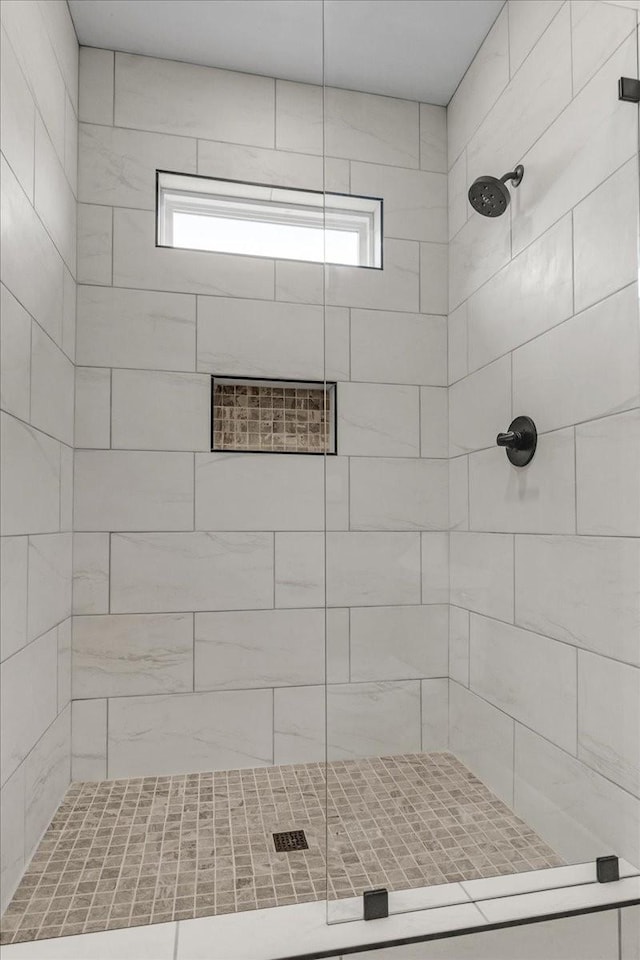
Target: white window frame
211, 197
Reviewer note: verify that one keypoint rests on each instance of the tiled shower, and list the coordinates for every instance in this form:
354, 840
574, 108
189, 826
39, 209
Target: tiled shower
264, 567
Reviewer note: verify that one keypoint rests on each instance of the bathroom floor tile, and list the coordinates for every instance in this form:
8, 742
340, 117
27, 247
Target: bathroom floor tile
120, 853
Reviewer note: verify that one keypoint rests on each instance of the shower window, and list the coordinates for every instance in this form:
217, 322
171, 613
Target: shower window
228, 216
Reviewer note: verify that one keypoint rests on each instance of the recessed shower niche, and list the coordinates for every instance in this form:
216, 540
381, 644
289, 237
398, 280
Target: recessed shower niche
273, 416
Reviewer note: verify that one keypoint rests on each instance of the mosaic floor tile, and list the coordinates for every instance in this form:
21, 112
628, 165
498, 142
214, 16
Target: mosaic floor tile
120, 853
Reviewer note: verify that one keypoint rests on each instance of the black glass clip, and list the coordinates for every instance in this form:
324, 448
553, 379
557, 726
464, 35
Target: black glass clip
607, 869
376, 904
629, 89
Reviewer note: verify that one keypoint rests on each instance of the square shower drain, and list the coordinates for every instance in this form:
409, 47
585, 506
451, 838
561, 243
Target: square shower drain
290, 840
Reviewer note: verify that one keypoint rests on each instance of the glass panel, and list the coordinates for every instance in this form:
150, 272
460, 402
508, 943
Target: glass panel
482, 704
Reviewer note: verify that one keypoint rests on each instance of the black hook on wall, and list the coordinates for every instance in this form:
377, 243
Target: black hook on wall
520, 441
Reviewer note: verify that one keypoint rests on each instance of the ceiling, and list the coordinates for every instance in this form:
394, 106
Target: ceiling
418, 49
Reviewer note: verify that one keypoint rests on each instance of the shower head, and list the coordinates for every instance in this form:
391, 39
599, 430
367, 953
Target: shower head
490, 196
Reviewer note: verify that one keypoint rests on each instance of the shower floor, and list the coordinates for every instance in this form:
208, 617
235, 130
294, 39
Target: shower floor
120, 853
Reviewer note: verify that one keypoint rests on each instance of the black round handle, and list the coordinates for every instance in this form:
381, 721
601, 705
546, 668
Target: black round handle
520, 441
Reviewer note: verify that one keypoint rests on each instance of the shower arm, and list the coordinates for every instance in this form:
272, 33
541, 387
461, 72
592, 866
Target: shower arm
514, 175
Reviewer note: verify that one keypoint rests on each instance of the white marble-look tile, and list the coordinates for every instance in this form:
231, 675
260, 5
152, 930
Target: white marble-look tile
482, 738
530, 677
480, 407
373, 719
171, 572
133, 490
156, 410
434, 278
138, 263
434, 422
336, 474
531, 881
528, 20
458, 185
29, 479
62, 35
23, 242
53, 196
12, 860
299, 565
539, 498
150, 942
259, 648
159, 736
396, 287
29, 699
235, 161
66, 488
609, 719
47, 772
337, 644
259, 492
435, 567
135, 328
480, 87
605, 227
415, 201
588, 141
433, 138
397, 494
17, 118
337, 355
630, 933
96, 85
435, 714
95, 244
90, 573
539, 281
476, 253
398, 347
93, 407
15, 356
299, 282
536, 95
378, 420
459, 493
570, 898
123, 656
569, 805
13, 594
362, 126
188, 100
373, 569
260, 338
459, 645
608, 475
299, 117
64, 664
49, 587
597, 30
398, 643
118, 167
586, 592
71, 146
52, 388
481, 573
299, 725
89, 740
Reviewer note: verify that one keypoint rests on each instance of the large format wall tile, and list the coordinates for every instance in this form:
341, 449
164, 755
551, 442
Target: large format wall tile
299, 565
415, 202
459, 645
90, 573
189, 733
89, 740
378, 420
475, 255
156, 410
480, 407
52, 393
434, 700
397, 287
53, 198
362, 126
433, 138
530, 677
373, 719
397, 494
167, 572
188, 100
49, 587
608, 475
299, 117
18, 122
46, 775
434, 422
570, 806
481, 573
133, 490
598, 29
527, 23
398, 347
266, 648
136, 328
123, 656
482, 737
371, 569
609, 719
398, 643
95, 100
92, 423
15, 356
12, 861
259, 492
586, 592
435, 567
13, 594
299, 725
95, 244
30, 479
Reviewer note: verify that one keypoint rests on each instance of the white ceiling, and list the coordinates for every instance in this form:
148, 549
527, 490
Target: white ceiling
418, 49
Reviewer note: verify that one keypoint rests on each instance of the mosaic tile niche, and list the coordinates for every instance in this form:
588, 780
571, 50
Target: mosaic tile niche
273, 416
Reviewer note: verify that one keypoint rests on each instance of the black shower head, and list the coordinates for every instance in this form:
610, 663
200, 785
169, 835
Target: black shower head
490, 196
